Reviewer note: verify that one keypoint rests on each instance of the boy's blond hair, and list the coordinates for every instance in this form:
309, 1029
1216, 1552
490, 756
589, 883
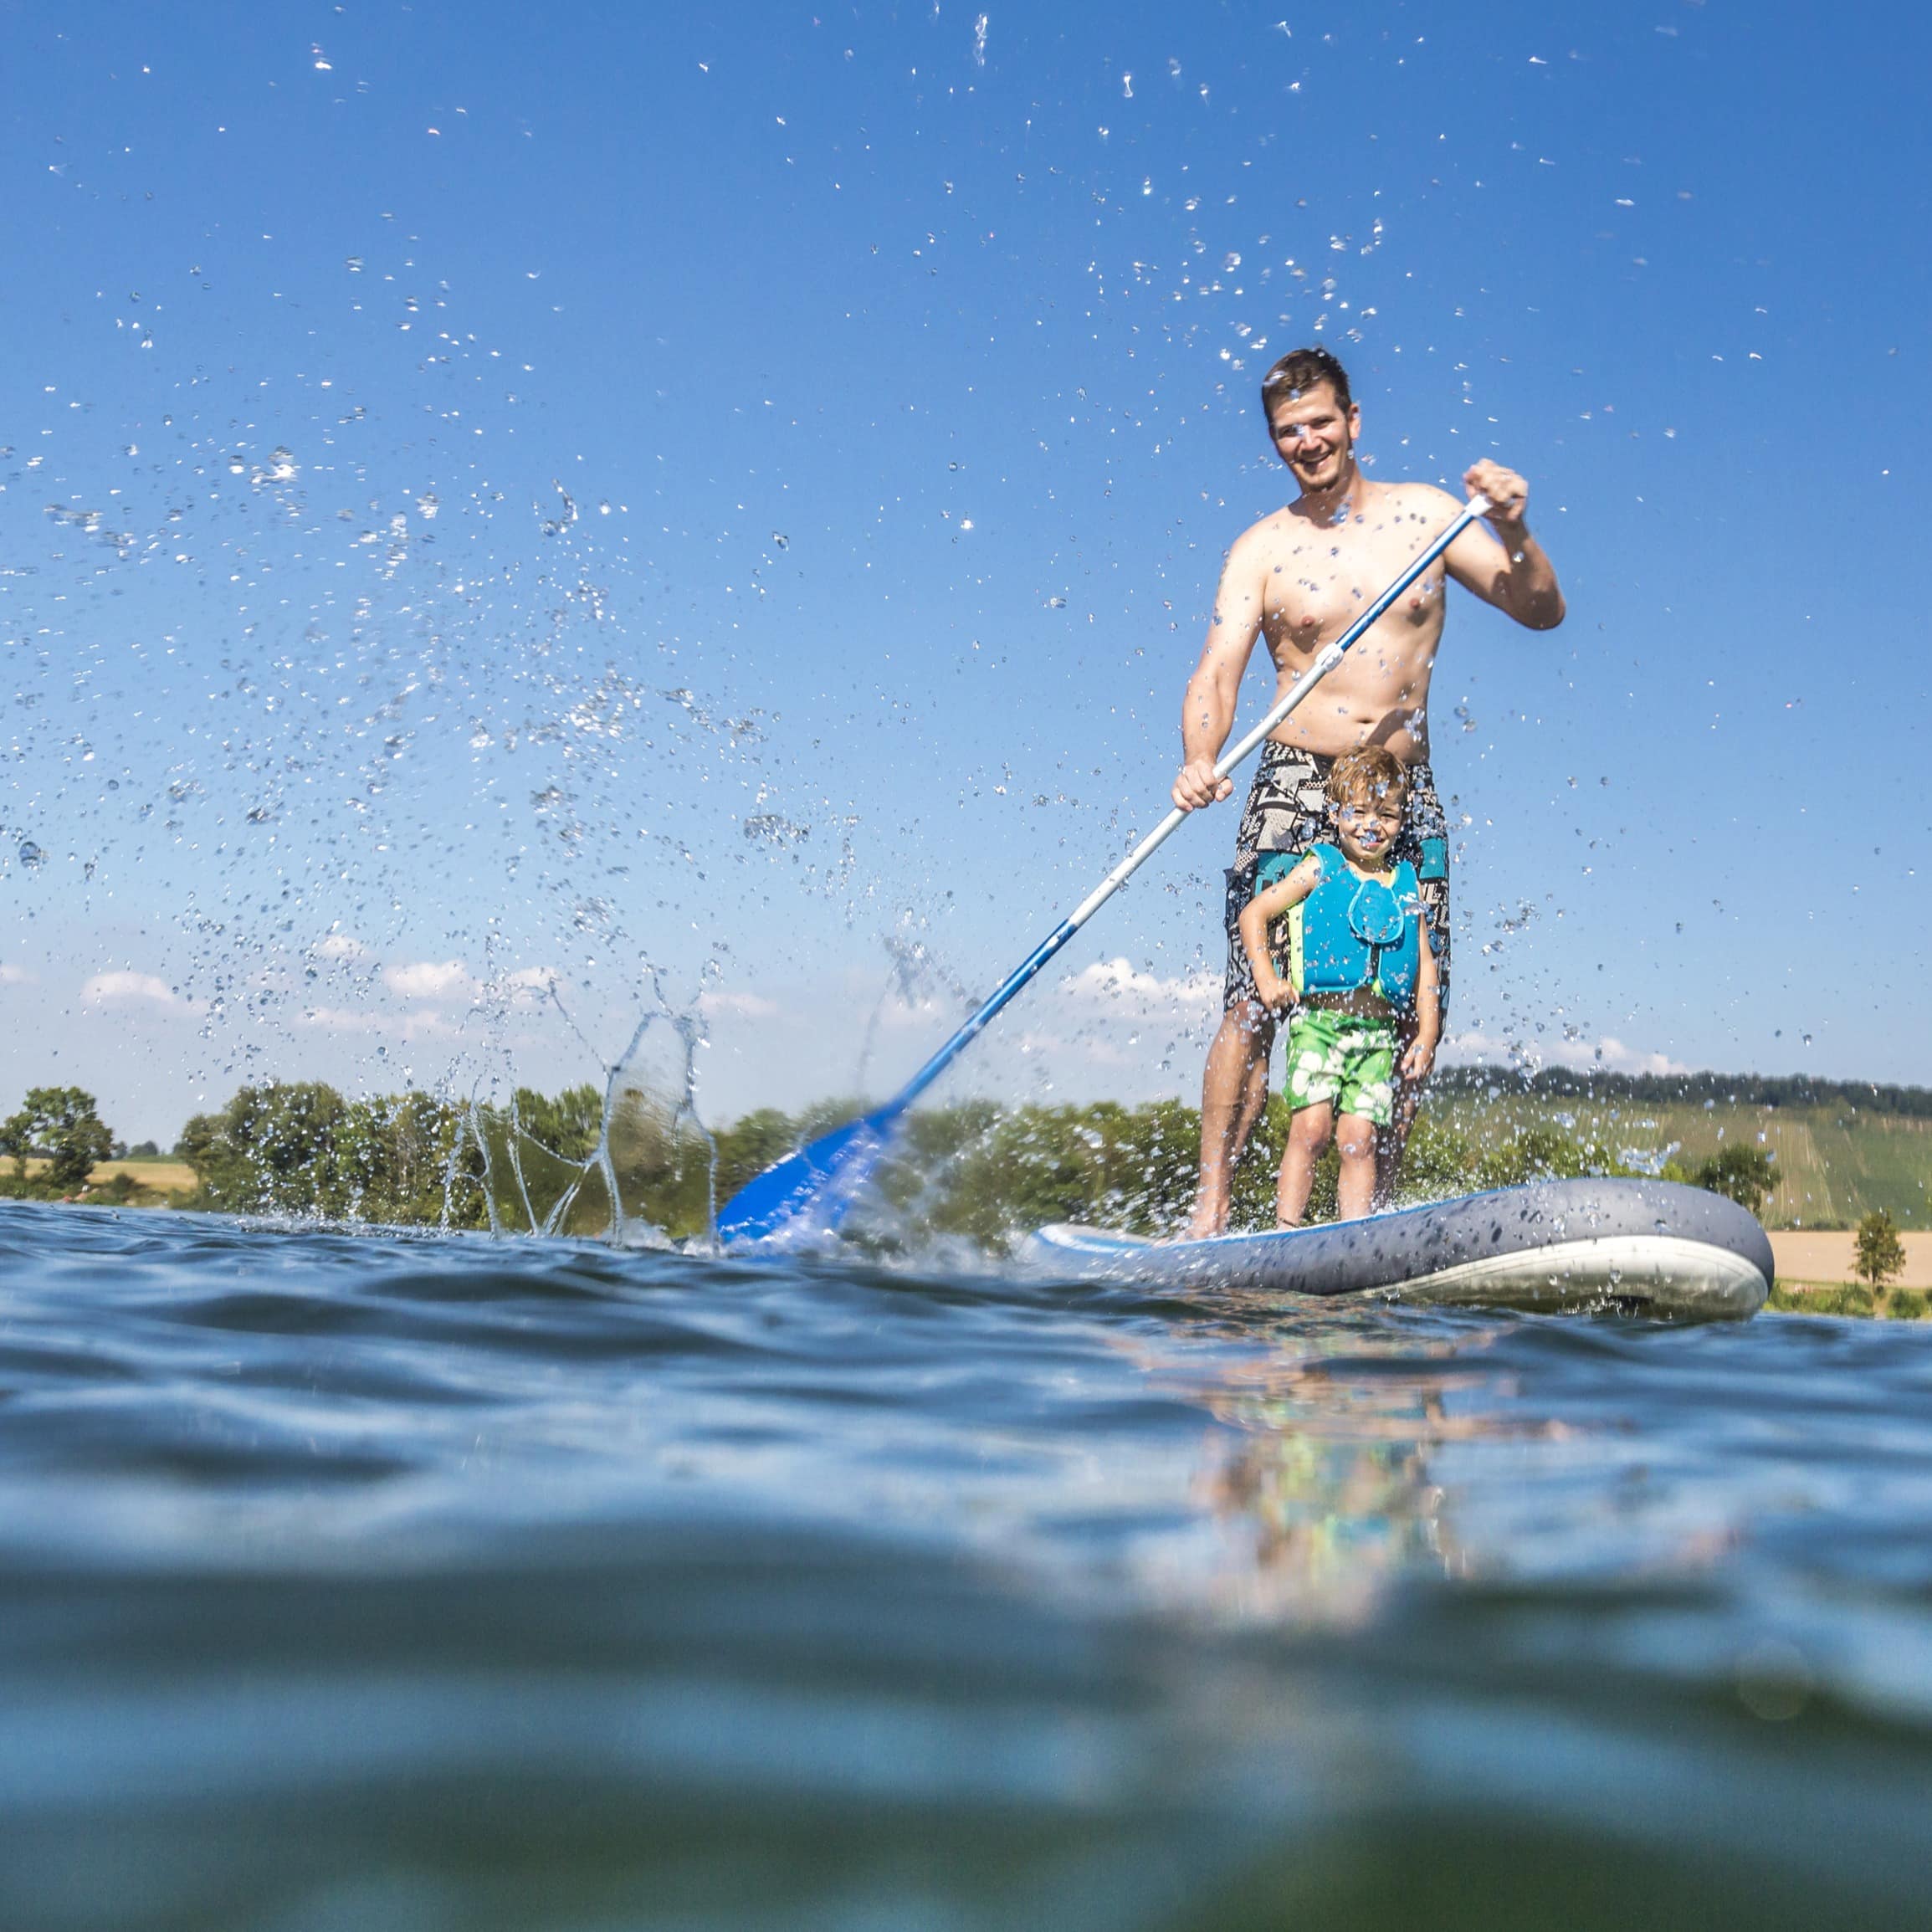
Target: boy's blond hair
1369, 771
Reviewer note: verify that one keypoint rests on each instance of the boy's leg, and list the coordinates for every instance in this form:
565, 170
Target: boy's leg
1314, 1062
1424, 842
1366, 1102
1308, 1133
1355, 1141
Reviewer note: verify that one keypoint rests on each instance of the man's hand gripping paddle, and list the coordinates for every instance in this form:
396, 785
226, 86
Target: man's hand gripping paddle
810, 1191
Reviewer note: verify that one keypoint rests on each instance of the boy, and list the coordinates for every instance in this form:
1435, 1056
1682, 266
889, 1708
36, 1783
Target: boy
1361, 962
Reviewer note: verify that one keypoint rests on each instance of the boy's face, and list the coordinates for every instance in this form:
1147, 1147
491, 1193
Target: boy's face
1366, 828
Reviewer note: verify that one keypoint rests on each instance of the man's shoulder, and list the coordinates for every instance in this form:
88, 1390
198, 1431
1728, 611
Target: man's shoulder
1264, 533
1268, 543
1421, 500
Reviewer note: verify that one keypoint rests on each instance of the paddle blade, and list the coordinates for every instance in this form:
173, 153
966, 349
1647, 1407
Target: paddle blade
808, 1191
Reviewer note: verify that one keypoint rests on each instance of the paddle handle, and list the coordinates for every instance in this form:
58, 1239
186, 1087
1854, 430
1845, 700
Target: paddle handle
1326, 661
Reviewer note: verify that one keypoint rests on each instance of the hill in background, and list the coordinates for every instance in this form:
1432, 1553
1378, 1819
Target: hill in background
1840, 1148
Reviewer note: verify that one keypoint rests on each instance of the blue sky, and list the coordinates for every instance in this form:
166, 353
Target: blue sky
494, 496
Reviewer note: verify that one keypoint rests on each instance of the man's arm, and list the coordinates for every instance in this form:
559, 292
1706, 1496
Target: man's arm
1207, 704
1421, 1056
1517, 578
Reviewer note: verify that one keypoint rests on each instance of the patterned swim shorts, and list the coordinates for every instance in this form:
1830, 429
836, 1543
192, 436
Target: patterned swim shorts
1287, 813
1345, 1059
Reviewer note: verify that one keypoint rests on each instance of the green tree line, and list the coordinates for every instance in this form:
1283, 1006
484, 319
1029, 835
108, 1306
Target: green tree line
1654, 1089
974, 1171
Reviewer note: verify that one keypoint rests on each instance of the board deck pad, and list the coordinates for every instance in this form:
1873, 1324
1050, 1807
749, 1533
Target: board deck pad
1652, 1245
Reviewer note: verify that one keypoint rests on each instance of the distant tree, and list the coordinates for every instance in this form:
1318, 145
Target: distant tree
569, 1126
143, 1150
747, 1147
60, 1126
1743, 1174
1542, 1151
1877, 1252
271, 1149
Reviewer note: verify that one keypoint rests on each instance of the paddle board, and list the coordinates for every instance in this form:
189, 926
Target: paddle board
1650, 1247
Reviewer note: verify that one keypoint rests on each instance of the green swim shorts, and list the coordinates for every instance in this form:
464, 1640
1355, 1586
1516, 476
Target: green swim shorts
1345, 1059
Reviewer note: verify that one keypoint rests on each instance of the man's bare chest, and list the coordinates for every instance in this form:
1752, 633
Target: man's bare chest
1313, 592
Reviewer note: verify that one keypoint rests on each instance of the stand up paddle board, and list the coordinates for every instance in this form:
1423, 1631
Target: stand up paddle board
1649, 1246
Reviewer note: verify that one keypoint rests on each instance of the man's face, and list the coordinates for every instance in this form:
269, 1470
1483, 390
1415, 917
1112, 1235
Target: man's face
1314, 436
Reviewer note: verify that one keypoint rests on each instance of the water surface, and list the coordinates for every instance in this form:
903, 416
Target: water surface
357, 1580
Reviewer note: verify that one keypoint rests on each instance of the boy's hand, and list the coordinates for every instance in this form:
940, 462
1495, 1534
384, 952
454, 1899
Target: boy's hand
1280, 996
1419, 1058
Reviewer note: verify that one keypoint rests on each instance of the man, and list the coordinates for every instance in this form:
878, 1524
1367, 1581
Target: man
1298, 578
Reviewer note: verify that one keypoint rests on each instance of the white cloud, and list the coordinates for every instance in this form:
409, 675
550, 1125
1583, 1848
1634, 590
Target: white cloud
339, 946
1607, 1055
429, 979
1115, 987
425, 1024
1622, 1059
527, 986
1090, 1049
899, 1012
13, 975
739, 1005
132, 985
338, 1020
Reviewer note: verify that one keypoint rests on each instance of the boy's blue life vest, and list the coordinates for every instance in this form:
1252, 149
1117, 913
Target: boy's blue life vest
1351, 933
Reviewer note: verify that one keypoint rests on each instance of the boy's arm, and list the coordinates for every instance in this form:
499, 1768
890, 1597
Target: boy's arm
1421, 1056
1255, 916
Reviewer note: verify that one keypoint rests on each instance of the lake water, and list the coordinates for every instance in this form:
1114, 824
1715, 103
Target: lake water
356, 1581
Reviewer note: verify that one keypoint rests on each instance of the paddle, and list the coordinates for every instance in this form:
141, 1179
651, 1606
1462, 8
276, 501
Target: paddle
811, 1189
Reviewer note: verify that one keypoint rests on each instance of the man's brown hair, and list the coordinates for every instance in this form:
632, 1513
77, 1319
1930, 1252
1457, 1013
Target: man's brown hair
1299, 371
1369, 771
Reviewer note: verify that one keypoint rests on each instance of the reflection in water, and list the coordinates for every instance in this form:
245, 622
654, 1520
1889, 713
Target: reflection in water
1321, 1473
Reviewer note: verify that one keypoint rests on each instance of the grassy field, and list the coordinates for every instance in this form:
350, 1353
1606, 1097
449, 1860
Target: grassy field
169, 1176
1835, 1165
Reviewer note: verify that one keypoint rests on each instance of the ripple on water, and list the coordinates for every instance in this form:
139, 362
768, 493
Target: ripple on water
361, 1580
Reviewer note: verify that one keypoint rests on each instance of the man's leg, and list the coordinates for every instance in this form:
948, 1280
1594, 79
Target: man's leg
1233, 1091
1286, 811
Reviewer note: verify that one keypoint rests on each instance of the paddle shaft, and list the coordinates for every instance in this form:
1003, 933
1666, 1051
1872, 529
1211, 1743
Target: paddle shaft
1330, 656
